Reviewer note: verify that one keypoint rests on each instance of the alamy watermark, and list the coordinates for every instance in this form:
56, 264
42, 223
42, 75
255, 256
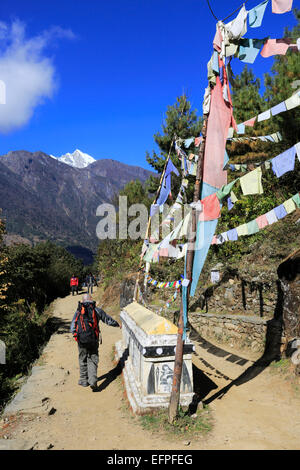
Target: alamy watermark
123, 222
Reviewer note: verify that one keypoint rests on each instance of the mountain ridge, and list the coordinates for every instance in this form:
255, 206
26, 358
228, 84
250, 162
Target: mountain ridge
43, 198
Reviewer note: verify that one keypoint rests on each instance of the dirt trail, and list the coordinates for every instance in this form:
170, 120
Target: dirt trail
262, 413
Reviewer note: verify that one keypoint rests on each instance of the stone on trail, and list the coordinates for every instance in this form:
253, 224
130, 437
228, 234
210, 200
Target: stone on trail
16, 444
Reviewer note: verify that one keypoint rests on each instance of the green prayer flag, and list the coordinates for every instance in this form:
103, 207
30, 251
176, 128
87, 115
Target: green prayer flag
296, 200
252, 227
225, 190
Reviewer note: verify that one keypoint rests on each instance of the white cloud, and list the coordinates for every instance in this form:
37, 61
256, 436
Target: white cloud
29, 75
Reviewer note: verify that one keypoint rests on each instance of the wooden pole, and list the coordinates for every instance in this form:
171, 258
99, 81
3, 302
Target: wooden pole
175, 393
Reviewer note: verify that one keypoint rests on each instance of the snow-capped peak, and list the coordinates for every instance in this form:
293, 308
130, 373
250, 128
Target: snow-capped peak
76, 159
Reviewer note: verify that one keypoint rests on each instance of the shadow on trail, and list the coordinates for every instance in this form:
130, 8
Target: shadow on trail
216, 350
114, 373
59, 326
271, 353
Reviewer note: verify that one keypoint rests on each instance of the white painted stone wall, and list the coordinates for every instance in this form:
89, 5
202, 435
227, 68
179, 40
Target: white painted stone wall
148, 369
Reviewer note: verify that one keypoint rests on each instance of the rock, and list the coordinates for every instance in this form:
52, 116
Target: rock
50, 446
194, 416
186, 443
52, 411
16, 444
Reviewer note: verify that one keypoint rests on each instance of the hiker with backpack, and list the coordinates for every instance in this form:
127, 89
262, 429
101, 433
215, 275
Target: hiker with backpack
85, 329
90, 280
74, 284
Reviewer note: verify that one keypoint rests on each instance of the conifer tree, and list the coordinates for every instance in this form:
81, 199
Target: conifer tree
180, 121
248, 103
246, 100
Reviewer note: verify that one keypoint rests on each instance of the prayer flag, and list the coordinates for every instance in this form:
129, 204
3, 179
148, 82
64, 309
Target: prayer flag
251, 183
281, 6
256, 14
284, 162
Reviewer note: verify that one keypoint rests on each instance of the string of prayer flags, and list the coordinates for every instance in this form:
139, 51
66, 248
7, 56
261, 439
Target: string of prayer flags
251, 182
275, 138
164, 285
241, 166
290, 103
252, 227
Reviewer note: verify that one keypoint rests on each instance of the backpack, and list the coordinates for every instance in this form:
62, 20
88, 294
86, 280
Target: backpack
86, 324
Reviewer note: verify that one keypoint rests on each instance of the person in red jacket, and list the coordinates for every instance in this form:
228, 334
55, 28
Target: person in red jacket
74, 284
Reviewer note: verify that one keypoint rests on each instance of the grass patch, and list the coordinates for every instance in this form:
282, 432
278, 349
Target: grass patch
183, 426
282, 366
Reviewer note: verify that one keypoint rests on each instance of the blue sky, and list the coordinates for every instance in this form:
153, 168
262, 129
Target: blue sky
102, 72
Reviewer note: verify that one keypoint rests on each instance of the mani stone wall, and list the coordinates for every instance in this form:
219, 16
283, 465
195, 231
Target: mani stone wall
241, 330
147, 354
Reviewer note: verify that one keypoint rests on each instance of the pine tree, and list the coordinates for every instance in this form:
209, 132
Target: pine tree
248, 103
180, 121
246, 100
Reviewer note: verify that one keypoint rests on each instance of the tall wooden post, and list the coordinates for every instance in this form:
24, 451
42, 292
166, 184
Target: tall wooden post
175, 393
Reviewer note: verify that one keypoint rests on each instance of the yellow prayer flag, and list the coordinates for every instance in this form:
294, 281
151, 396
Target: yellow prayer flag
251, 182
289, 205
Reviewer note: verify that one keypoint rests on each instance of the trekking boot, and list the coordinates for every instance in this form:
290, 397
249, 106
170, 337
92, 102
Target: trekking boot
83, 384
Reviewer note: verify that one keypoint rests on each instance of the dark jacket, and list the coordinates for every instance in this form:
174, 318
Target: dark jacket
100, 314
89, 280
